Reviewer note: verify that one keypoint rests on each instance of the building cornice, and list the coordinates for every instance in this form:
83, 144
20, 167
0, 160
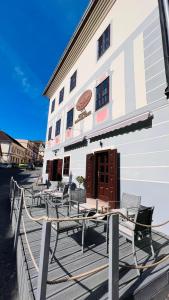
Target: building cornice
91, 20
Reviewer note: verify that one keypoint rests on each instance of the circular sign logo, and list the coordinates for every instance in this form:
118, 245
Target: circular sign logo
84, 100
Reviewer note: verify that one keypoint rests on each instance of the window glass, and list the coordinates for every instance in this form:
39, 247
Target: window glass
53, 106
66, 165
69, 119
104, 42
61, 95
73, 81
57, 129
102, 94
50, 133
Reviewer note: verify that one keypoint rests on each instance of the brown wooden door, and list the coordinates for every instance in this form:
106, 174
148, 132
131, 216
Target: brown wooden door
103, 176
90, 169
113, 178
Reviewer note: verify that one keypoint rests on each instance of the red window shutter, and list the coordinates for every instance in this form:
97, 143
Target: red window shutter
50, 170
59, 170
90, 163
113, 178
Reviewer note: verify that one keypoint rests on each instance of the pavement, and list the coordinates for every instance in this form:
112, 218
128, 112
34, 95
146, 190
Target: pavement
8, 272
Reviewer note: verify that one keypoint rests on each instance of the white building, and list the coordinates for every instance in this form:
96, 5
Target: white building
108, 114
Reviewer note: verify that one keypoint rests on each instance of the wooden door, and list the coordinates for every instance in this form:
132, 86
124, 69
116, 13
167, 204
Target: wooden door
55, 167
103, 175
113, 178
90, 169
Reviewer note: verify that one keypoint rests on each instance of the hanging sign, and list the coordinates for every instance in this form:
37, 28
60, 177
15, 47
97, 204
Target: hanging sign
82, 103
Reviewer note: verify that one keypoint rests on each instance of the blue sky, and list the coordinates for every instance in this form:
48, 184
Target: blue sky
33, 36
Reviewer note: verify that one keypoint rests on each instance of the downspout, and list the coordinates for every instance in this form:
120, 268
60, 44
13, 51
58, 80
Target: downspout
164, 21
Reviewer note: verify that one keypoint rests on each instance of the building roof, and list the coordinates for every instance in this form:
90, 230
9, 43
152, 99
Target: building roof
90, 21
4, 137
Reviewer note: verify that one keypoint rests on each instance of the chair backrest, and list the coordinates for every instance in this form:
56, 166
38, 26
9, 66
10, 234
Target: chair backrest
130, 200
53, 184
144, 216
65, 189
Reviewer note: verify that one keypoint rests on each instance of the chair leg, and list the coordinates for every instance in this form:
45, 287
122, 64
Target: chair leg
56, 242
151, 246
134, 255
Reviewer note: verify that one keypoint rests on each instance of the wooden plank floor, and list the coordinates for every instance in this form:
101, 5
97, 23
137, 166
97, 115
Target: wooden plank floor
69, 260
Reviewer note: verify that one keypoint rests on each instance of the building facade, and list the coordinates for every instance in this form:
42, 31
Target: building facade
108, 111
31, 152
12, 150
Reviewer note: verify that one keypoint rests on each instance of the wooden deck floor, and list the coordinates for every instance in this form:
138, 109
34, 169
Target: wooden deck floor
69, 260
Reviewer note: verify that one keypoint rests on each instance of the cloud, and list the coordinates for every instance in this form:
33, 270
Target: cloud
20, 71
23, 79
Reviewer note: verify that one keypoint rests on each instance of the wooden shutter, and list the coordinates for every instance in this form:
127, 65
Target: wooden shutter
113, 178
59, 170
50, 170
90, 163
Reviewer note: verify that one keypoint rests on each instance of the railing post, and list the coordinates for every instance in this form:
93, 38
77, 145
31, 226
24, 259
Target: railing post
10, 187
44, 258
13, 199
17, 231
113, 282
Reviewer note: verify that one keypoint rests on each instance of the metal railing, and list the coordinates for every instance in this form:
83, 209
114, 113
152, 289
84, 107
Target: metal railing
17, 197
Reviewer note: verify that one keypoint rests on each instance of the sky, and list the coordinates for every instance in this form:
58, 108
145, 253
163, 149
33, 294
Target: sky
33, 36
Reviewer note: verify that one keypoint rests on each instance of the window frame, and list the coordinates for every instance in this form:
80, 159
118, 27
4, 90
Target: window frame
53, 106
49, 133
57, 132
66, 166
73, 81
67, 124
61, 95
104, 45
101, 86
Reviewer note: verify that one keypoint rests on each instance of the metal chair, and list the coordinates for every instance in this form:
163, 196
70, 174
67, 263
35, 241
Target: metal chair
135, 232
56, 210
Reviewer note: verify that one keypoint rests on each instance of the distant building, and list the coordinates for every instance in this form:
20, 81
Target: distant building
41, 149
11, 150
32, 153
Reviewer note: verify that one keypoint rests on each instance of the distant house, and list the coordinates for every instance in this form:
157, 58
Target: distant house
108, 112
12, 151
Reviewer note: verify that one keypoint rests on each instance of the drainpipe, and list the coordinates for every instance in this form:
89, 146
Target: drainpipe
164, 21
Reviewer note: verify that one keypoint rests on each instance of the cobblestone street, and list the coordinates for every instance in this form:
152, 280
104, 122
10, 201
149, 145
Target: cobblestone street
8, 278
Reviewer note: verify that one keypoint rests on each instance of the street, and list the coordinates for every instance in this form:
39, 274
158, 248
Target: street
8, 277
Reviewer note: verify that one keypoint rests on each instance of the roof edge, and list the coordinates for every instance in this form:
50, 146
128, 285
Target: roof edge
74, 37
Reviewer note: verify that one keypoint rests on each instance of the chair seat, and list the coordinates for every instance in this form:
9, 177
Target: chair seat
66, 225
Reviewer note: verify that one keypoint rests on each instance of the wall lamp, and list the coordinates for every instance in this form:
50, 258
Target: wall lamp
55, 151
101, 144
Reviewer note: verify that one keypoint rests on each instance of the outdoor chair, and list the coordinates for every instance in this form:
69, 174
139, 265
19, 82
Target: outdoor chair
56, 210
133, 232
62, 194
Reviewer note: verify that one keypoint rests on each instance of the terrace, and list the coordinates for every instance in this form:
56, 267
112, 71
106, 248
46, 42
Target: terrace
70, 261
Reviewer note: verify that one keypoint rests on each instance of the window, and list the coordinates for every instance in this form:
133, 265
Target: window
66, 165
57, 129
69, 119
53, 106
61, 95
104, 42
50, 133
102, 94
73, 81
